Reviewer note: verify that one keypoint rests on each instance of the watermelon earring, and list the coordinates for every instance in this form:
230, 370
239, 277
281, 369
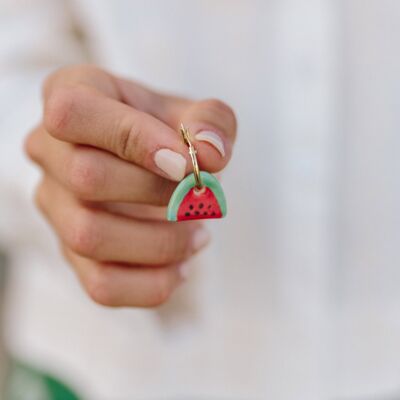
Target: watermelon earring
199, 195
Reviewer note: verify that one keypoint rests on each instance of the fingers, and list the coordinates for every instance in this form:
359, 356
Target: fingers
106, 237
96, 175
212, 122
104, 144
116, 285
81, 115
88, 107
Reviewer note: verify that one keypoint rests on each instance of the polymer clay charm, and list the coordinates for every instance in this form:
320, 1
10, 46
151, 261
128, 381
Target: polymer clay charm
199, 195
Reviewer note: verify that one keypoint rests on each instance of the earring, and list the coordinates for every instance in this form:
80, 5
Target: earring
199, 195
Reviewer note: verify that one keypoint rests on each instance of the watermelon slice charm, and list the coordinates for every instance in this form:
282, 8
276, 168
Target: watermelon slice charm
190, 202
199, 195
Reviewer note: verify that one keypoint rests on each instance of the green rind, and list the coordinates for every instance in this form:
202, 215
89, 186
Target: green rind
183, 188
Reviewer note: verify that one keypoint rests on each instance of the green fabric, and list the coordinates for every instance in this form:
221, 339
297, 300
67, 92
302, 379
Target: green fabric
27, 383
183, 188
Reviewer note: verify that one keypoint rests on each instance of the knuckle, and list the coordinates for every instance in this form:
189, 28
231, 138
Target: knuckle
97, 285
57, 111
128, 140
161, 290
82, 234
85, 176
30, 145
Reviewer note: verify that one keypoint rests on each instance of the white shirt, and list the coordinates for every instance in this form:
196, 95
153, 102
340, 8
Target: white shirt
298, 296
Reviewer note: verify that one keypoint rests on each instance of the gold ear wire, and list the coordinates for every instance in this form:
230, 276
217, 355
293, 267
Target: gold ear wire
192, 152
186, 135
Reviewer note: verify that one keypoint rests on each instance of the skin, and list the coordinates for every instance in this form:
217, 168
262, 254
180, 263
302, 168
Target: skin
101, 190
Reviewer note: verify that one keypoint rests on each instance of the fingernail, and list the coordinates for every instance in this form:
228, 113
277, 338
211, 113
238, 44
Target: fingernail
218, 175
213, 139
184, 271
200, 238
172, 163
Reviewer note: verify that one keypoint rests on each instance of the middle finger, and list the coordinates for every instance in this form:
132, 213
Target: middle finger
95, 175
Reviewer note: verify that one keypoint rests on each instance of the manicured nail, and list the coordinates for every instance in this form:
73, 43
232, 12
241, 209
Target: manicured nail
218, 175
172, 163
184, 270
213, 139
200, 238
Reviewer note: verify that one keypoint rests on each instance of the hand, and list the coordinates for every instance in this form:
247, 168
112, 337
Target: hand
109, 149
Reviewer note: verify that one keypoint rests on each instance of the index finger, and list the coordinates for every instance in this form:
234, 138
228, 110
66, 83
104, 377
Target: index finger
83, 115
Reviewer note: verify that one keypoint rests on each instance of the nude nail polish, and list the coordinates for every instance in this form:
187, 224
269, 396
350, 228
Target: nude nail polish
213, 139
200, 238
172, 163
184, 270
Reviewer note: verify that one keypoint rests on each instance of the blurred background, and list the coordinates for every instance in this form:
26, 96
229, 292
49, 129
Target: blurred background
298, 296
3, 357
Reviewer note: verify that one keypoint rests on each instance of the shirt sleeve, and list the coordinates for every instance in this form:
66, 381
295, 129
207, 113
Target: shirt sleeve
36, 37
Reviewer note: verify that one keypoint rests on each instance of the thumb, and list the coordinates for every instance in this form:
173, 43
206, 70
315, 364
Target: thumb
212, 125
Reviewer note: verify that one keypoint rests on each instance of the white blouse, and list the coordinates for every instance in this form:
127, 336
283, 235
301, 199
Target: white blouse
298, 295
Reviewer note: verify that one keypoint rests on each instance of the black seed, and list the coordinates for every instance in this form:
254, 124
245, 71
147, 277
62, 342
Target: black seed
196, 212
205, 213
201, 205
191, 206
213, 213
187, 214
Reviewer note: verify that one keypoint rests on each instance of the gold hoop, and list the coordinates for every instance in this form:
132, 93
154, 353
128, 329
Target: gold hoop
192, 151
